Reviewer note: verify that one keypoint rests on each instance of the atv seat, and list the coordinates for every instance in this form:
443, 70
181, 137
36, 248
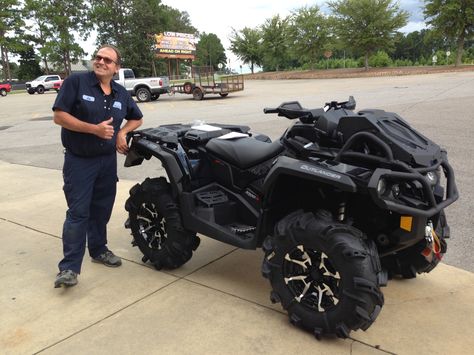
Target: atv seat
243, 152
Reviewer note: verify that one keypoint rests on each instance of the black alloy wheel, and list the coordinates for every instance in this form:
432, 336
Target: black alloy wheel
312, 279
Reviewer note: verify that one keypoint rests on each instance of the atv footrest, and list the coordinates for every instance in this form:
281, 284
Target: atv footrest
241, 229
211, 198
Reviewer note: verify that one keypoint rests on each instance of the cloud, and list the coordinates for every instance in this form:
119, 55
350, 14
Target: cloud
220, 17
414, 8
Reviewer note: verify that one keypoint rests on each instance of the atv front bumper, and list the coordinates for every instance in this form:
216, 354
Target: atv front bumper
384, 183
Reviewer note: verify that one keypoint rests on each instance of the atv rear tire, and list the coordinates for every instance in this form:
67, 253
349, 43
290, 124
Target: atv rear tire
409, 262
325, 274
156, 225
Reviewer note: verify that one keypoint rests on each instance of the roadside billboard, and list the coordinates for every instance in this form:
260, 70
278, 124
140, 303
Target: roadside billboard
175, 45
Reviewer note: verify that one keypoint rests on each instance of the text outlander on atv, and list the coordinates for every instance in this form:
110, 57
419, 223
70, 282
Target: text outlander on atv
339, 203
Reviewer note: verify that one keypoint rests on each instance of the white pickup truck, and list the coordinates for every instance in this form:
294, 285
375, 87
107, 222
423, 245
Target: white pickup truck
43, 83
145, 89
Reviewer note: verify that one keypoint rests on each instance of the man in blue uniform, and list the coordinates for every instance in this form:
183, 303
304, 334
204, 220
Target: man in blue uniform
90, 108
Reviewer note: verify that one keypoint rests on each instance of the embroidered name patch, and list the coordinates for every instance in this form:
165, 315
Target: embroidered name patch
88, 98
117, 105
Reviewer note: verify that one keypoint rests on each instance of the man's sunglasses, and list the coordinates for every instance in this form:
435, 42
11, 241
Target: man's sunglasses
106, 60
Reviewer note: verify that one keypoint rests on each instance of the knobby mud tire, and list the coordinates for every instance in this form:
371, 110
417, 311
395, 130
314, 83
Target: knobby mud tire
406, 264
351, 261
156, 225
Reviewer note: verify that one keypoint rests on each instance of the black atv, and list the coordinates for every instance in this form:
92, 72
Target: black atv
341, 202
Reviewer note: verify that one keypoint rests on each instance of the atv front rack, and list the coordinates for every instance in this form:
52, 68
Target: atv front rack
384, 185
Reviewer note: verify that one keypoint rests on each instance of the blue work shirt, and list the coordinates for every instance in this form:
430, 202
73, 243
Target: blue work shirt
82, 97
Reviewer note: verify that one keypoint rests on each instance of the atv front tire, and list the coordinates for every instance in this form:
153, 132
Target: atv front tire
156, 225
325, 274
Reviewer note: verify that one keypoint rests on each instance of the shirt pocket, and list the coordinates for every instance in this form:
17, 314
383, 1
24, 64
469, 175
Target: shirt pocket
90, 109
118, 111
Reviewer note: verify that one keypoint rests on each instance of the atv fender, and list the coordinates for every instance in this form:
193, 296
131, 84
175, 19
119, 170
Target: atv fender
143, 149
296, 171
286, 166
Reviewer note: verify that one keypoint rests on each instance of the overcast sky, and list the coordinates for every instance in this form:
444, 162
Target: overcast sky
220, 17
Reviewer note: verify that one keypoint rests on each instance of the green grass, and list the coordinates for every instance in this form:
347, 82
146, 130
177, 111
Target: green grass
13, 92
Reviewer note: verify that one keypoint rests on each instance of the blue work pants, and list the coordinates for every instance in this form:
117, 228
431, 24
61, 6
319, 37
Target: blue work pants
90, 185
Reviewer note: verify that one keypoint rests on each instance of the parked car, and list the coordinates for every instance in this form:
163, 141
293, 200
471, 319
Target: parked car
145, 89
43, 83
5, 88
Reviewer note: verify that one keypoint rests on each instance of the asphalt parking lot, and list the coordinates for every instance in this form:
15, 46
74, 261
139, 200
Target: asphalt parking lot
438, 105
218, 302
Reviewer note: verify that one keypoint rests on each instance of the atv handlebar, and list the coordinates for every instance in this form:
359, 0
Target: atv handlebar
293, 110
270, 110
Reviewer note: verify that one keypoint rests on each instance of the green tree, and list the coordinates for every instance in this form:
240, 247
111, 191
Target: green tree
176, 21
275, 43
245, 44
309, 33
145, 21
131, 25
210, 51
11, 24
14, 67
367, 25
453, 19
61, 21
29, 66
36, 13
419, 44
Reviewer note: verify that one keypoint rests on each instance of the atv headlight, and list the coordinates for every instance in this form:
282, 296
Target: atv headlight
381, 186
432, 177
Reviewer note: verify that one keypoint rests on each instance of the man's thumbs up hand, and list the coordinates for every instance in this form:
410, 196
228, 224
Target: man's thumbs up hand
105, 130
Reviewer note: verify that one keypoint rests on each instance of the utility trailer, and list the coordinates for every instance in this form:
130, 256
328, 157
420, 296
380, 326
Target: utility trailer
204, 81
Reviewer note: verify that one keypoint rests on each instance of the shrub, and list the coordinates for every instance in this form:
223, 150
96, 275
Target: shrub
380, 59
403, 63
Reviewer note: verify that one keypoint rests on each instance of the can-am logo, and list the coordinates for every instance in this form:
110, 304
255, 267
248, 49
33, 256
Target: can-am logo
251, 195
320, 172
